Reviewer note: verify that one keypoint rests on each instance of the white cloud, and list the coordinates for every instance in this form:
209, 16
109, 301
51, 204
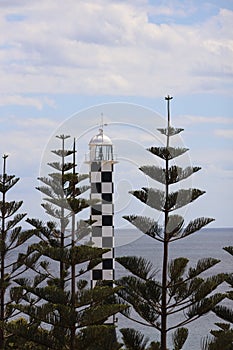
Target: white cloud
42, 123
20, 100
225, 133
195, 119
215, 160
25, 139
172, 8
107, 47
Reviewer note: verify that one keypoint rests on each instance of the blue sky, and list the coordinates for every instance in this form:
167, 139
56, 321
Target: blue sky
58, 59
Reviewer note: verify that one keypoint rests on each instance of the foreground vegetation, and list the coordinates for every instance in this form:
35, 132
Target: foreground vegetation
46, 302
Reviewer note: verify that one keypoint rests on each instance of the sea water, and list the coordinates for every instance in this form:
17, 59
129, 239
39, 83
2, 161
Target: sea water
202, 244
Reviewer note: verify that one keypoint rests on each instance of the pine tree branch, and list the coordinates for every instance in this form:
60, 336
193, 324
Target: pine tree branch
224, 312
173, 175
151, 197
167, 153
179, 199
134, 339
138, 266
62, 153
146, 225
170, 131
7, 182
201, 266
193, 226
10, 208
61, 167
156, 199
179, 338
174, 226
229, 249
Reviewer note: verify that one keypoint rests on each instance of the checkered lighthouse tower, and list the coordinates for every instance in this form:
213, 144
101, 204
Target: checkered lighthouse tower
101, 178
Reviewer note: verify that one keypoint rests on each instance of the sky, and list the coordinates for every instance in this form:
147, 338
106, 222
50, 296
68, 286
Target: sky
64, 64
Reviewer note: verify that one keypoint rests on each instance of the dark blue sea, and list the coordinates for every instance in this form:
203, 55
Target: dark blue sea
204, 243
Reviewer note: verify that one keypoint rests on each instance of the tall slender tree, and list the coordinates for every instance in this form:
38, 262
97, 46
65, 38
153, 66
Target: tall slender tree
182, 290
12, 239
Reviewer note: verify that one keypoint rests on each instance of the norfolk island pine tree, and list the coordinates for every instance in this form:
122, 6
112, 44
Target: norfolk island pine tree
12, 239
181, 288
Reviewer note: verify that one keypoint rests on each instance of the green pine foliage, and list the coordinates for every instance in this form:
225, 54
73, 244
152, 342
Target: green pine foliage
223, 337
182, 289
134, 339
59, 310
98, 338
12, 239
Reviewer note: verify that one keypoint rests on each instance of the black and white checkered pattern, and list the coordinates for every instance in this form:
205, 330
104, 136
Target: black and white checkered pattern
101, 178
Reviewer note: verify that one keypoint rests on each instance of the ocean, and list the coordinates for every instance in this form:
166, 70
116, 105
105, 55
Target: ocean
201, 244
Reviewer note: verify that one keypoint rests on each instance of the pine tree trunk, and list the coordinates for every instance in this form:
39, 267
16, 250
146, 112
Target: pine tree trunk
3, 238
164, 299
2, 294
73, 329
165, 247
164, 278
62, 218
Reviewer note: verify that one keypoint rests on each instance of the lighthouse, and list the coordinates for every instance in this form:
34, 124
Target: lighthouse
102, 162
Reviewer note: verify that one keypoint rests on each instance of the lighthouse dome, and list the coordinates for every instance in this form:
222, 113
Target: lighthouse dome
101, 148
100, 139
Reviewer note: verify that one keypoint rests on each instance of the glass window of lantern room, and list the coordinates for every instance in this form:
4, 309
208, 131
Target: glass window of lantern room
103, 153
99, 153
108, 152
